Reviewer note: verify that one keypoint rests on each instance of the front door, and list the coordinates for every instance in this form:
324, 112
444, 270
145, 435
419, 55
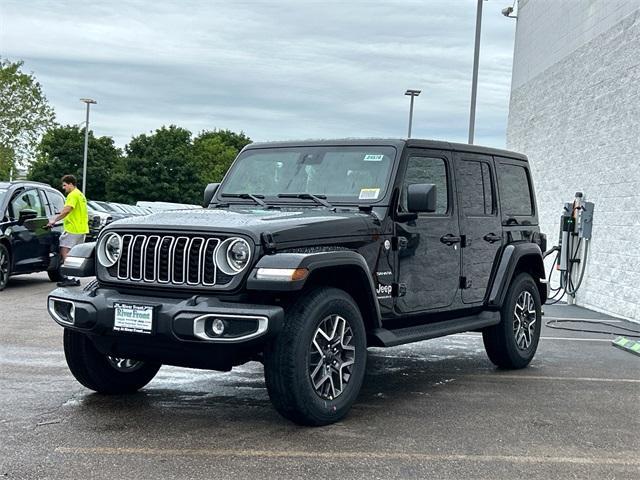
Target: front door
30, 243
429, 246
480, 225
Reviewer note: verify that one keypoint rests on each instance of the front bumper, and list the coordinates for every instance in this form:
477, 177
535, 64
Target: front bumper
181, 332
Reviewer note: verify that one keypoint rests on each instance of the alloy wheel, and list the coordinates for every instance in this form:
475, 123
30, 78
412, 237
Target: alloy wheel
4, 268
332, 357
125, 365
524, 320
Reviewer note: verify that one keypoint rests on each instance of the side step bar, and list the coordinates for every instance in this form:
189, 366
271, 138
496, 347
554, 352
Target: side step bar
382, 337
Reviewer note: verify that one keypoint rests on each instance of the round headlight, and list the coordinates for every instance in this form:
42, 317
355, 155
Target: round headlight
233, 255
238, 254
110, 249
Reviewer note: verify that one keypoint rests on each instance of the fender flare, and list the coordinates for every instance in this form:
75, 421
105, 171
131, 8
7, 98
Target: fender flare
511, 255
313, 262
83, 263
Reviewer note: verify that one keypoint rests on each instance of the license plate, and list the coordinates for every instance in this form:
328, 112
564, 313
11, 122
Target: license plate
133, 318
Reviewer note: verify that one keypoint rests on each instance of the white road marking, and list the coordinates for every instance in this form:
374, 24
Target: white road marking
628, 459
573, 339
586, 320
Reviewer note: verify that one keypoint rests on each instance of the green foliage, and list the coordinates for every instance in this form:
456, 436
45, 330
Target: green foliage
157, 167
7, 163
61, 152
24, 112
214, 151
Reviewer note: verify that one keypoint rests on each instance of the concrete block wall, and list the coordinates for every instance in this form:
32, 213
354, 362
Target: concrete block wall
575, 111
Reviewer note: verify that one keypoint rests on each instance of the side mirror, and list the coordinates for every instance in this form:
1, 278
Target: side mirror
209, 192
25, 215
421, 197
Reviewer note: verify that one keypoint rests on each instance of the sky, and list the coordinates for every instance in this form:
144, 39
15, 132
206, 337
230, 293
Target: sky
276, 70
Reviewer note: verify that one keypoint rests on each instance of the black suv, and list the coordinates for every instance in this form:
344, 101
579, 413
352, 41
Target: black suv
26, 246
307, 254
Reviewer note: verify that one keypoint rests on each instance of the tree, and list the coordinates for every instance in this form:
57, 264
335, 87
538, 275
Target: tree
61, 152
7, 162
157, 167
215, 151
24, 112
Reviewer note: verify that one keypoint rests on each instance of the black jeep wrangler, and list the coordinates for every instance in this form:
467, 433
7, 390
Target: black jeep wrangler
306, 254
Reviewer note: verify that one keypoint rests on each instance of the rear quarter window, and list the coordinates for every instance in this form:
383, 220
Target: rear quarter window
515, 190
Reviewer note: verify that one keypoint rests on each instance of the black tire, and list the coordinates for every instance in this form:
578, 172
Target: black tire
5, 266
513, 342
55, 275
291, 359
95, 371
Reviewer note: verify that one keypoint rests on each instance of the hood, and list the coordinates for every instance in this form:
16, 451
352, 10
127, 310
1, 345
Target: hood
286, 225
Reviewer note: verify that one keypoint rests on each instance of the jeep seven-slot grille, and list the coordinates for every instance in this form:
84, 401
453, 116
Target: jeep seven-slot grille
169, 260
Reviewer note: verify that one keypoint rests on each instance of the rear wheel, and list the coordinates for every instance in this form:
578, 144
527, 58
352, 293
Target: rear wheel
314, 369
514, 341
102, 373
5, 266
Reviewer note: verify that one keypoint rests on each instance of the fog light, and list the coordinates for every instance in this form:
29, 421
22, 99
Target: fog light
217, 327
63, 311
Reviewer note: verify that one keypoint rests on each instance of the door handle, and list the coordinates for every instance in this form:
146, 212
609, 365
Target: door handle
449, 239
492, 237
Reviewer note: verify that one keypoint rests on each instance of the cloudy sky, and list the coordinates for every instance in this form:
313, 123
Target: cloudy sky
274, 69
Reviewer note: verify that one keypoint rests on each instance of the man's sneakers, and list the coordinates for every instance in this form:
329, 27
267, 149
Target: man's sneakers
69, 282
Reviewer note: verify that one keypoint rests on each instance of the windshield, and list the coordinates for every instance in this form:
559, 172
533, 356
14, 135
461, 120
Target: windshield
96, 207
2, 193
348, 174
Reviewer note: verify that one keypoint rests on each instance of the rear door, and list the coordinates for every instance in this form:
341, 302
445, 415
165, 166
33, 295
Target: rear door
480, 225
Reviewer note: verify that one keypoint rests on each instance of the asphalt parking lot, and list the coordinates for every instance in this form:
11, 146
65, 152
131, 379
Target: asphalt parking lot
436, 409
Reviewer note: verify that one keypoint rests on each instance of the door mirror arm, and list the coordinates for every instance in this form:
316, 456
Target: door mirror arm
25, 215
404, 217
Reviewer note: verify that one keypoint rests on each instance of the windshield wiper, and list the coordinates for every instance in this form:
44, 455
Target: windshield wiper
308, 196
247, 196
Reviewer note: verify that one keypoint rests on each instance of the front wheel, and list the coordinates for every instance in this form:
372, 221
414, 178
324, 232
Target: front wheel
5, 266
102, 373
514, 341
55, 275
315, 367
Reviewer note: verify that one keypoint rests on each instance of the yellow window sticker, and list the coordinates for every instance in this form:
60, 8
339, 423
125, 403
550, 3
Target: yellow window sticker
369, 194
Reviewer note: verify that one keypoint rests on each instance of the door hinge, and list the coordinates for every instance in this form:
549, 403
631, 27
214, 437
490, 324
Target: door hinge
398, 289
399, 243
465, 282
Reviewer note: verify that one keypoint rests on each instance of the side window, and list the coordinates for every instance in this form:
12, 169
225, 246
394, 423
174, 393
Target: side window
27, 200
56, 201
515, 190
476, 189
428, 170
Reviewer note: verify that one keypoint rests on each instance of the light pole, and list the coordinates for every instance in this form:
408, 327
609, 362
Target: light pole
474, 82
88, 101
411, 93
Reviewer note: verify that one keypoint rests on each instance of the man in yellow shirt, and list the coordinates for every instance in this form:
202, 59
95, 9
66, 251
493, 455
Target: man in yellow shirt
76, 222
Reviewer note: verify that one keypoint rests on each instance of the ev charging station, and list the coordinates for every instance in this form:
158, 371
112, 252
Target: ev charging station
576, 223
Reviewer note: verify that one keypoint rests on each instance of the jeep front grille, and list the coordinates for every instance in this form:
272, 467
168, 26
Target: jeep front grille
168, 260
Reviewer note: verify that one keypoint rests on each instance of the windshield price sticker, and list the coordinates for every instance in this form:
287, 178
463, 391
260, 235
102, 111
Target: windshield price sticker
373, 158
133, 318
369, 194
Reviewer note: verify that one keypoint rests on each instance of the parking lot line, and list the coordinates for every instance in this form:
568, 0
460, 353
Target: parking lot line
562, 379
585, 320
573, 339
627, 460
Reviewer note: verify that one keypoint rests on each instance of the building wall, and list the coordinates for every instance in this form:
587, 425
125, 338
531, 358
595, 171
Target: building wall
575, 111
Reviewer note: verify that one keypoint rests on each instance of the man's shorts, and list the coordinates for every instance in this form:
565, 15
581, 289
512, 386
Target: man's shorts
70, 240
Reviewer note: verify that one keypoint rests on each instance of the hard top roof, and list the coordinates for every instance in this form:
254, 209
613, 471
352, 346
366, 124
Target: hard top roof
21, 183
399, 143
